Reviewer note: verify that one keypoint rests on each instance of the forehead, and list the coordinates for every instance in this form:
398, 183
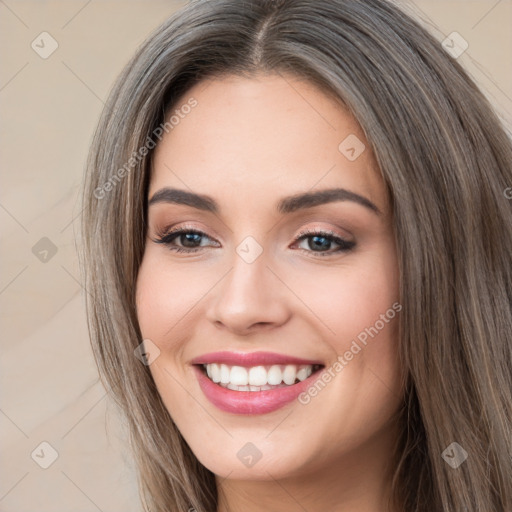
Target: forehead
262, 138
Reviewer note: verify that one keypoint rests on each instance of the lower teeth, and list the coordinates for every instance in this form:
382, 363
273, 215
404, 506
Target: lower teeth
267, 387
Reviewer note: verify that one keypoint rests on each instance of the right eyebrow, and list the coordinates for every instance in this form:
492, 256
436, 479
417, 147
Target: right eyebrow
176, 196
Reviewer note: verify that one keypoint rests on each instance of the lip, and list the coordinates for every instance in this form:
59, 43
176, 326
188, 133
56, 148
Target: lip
251, 402
249, 359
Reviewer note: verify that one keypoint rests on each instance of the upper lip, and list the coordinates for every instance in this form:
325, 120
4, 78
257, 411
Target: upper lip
249, 359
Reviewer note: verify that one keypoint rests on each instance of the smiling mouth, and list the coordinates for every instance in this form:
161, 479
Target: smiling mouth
258, 378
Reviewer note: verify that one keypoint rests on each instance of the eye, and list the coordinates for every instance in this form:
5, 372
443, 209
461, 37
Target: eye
318, 242
323, 240
189, 238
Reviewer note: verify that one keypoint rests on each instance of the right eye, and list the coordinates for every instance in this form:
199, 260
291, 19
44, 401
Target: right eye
189, 238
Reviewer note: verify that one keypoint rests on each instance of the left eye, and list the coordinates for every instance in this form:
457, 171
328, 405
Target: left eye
191, 239
324, 240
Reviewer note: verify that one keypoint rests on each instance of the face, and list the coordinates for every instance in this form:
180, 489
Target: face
252, 276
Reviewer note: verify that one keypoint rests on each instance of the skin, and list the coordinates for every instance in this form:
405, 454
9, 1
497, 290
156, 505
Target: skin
247, 144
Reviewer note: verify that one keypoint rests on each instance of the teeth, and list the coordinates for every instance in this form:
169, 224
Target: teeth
214, 372
224, 374
275, 375
303, 374
257, 378
239, 376
289, 374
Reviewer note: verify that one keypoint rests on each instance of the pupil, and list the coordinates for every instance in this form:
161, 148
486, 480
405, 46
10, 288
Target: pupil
320, 245
189, 237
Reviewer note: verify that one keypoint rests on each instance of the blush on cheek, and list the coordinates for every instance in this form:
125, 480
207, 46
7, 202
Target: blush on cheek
165, 297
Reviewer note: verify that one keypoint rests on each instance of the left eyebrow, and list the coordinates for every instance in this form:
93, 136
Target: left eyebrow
286, 205
309, 199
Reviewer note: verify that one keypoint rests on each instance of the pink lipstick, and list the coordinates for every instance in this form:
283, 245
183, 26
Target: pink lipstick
253, 383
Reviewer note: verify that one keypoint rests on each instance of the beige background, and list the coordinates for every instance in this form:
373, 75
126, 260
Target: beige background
49, 385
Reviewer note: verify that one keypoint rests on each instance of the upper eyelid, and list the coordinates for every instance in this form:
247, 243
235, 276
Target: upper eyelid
345, 245
168, 231
172, 230
303, 233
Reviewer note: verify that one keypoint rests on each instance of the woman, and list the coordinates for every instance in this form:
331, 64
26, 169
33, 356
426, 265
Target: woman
297, 240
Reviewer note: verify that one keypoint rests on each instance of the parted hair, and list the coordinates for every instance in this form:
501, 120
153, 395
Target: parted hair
446, 161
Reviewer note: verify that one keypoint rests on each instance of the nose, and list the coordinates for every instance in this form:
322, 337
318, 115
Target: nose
249, 299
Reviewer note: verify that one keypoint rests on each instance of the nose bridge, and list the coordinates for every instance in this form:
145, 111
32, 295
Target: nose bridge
247, 284
242, 281
249, 294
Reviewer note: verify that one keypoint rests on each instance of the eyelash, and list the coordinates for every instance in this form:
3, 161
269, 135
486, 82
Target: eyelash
345, 245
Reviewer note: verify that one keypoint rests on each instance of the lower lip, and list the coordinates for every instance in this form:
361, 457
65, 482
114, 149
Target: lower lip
251, 402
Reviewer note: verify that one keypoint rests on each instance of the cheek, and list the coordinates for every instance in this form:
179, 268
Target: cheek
358, 307
354, 297
165, 299
167, 295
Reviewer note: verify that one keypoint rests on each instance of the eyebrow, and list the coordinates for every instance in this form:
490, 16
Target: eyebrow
286, 205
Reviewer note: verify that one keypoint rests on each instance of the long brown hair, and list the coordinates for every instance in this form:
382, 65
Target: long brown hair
446, 160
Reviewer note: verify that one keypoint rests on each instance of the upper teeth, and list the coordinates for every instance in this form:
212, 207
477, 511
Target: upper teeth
257, 375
